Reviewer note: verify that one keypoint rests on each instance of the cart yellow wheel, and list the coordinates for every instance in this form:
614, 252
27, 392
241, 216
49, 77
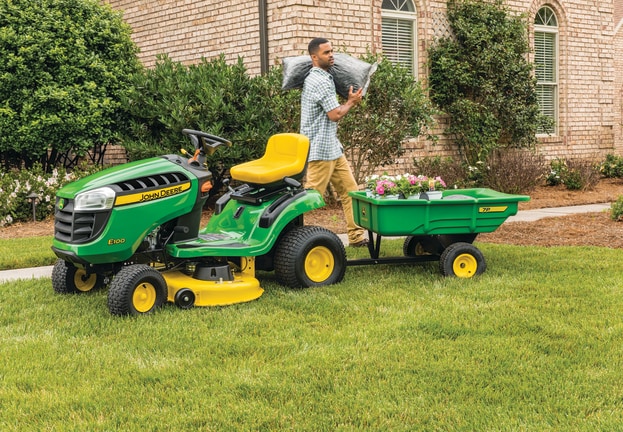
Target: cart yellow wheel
421, 245
309, 256
463, 260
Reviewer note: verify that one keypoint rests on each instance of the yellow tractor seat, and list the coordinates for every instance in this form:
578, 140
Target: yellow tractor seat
285, 156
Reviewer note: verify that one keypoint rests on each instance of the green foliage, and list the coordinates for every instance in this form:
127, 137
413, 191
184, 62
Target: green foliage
480, 78
612, 166
558, 171
451, 170
223, 100
65, 65
394, 108
575, 174
16, 185
616, 209
211, 96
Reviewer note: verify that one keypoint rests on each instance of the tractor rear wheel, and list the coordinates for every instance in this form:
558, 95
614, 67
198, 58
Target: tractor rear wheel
462, 260
310, 256
136, 289
69, 279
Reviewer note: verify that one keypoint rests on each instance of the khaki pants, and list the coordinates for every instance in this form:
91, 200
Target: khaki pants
320, 173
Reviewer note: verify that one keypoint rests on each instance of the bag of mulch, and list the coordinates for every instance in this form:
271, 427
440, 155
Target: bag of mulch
346, 71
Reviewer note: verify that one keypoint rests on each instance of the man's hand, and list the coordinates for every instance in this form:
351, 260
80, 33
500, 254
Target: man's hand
353, 99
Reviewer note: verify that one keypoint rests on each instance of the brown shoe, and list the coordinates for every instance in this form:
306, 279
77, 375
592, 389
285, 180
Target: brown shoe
360, 243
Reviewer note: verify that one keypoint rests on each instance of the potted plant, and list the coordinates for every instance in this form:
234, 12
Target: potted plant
433, 188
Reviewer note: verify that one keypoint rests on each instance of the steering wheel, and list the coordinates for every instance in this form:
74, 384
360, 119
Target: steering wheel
204, 141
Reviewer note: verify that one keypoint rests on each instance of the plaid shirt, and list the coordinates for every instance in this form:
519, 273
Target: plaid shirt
318, 98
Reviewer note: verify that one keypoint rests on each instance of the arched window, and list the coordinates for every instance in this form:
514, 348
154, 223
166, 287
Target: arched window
546, 64
398, 32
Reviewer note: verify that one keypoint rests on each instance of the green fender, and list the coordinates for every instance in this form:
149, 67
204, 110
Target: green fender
243, 229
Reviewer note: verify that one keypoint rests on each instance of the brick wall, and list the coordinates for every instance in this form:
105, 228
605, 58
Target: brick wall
589, 92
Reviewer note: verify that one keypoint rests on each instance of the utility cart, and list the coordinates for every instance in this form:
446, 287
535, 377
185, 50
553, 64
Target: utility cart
435, 229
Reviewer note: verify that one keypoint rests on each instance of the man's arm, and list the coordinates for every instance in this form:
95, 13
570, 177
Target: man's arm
338, 113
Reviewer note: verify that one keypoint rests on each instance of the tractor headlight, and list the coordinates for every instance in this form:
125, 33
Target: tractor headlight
96, 199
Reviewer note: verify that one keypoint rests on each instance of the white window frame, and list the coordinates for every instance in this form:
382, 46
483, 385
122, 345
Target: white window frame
410, 17
554, 84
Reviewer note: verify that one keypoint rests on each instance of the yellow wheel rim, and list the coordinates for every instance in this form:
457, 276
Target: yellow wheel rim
144, 297
419, 250
465, 265
319, 264
84, 283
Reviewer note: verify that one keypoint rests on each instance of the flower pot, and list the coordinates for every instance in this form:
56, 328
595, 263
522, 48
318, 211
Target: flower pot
431, 195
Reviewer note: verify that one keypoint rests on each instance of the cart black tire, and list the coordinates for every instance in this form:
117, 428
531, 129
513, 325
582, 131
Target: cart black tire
420, 245
69, 279
310, 256
462, 260
136, 289
185, 298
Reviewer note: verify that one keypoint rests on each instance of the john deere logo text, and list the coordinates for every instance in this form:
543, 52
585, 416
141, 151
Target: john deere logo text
152, 194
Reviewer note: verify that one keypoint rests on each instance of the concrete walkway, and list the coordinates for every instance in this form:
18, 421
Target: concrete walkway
521, 216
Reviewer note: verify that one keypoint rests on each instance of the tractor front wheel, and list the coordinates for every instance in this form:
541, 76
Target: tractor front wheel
462, 260
68, 279
136, 289
310, 256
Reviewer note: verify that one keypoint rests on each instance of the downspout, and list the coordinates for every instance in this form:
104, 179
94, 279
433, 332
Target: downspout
263, 12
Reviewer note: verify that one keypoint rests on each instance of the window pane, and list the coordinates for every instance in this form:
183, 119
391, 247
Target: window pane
398, 41
398, 5
546, 95
545, 56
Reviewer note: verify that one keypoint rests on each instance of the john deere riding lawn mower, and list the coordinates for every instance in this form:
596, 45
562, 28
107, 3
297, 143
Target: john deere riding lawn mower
136, 228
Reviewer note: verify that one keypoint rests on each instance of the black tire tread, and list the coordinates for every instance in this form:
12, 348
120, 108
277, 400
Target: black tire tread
291, 249
448, 256
123, 284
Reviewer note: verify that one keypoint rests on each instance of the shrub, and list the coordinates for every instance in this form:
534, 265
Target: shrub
514, 171
65, 65
612, 166
451, 170
482, 79
574, 174
616, 209
211, 96
558, 171
583, 174
16, 185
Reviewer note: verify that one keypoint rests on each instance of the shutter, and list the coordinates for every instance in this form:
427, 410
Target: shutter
545, 56
398, 41
545, 70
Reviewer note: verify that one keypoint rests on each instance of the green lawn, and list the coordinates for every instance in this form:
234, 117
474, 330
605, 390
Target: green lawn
26, 252
535, 343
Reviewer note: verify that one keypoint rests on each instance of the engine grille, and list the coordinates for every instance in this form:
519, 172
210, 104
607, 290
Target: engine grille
70, 227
